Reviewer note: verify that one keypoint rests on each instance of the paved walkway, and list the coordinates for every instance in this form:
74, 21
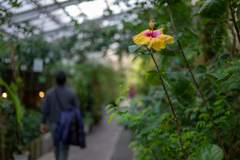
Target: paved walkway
103, 143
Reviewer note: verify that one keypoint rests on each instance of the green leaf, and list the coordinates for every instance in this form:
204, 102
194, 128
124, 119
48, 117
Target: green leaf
119, 99
167, 53
200, 124
190, 89
135, 101
220, 63
212, 77
196, 14
224, 78
126, 90
190, 62
191, 33
124, 117
211, 27
217, 37
111, 117
177, 82
152, 78
165, 61
187, 101
213, 8
133, 48
234, 69
238, 13
136, 56
238, 23
2, 82
108, 106
131, 144
168, 47
179, 35
201, 69
163, 70
224, 56
165, 30
235, 4
19, 109
141, 51
209, 152
200, 53
164, 123
195, 50
154, 142
204, 21
190, 135
111, 109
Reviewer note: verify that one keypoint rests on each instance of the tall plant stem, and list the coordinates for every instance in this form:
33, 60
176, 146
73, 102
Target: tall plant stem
234, 20
179, 132
199, 90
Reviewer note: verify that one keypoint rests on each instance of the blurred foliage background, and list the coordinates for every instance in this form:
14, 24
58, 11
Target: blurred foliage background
97, 61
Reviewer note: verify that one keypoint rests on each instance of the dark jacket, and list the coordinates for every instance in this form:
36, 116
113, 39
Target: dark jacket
51, 108
69, 128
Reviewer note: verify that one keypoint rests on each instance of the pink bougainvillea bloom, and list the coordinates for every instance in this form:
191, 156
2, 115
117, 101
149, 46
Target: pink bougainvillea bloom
153, 38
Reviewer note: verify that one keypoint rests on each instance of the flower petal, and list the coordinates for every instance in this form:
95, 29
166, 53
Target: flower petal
141, 38
160, 30
166, 38
157, 44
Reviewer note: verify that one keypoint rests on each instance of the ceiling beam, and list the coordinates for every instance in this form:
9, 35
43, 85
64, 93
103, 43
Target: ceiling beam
118, 16
97, 20
64, 10
49, 14
34, 13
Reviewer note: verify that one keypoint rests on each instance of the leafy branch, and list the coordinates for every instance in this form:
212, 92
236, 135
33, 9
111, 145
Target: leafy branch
176, 121
199, 90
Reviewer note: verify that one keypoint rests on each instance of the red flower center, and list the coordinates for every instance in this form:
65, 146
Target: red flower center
153, 34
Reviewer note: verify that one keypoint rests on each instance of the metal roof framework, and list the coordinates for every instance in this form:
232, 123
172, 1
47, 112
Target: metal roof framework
57, 17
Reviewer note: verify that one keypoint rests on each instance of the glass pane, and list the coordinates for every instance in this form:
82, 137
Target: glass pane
73, 10
45, 2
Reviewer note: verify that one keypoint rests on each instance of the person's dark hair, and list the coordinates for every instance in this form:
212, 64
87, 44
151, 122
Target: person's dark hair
60, 78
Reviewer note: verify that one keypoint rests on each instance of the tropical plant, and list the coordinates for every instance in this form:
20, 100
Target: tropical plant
194, 126
30, 130
13, 121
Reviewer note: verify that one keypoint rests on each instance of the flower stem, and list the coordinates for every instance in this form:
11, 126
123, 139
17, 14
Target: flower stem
179, 133
199, 90
234, 20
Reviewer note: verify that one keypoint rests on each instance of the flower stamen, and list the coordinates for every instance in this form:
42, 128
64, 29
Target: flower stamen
151, 25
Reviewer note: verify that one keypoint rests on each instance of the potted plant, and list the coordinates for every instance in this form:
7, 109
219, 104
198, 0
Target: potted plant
18, 112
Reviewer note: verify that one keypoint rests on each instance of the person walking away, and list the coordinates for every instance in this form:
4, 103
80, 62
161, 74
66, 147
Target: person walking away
51, 110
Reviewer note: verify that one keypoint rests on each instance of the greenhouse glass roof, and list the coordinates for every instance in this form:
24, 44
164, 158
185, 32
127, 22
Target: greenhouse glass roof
56, 17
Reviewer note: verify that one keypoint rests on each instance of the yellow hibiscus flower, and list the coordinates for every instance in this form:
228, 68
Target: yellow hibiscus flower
153, 38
